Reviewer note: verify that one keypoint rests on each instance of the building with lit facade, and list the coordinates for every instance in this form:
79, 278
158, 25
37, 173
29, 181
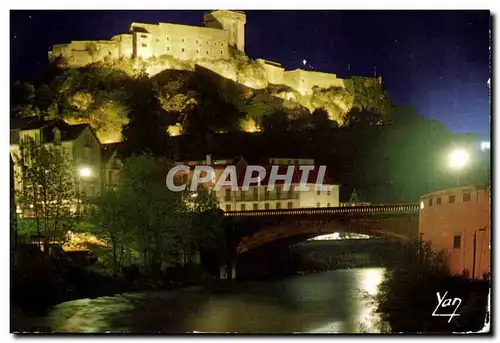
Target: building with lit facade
79, 143
258, 197
212, 46
458, 220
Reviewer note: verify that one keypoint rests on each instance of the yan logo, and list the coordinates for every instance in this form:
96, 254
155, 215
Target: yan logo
446, 305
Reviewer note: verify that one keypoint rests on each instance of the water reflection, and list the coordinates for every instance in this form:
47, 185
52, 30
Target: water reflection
330, 302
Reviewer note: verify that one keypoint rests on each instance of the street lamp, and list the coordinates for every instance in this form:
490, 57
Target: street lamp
458, 160
84, 172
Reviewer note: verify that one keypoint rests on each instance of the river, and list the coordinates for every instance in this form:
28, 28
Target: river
329, 302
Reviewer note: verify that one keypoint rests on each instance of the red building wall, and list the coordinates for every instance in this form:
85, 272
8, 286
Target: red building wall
444, 219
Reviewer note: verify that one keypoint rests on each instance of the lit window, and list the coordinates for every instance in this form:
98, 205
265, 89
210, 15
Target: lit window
421, 205
457, 240
466, 196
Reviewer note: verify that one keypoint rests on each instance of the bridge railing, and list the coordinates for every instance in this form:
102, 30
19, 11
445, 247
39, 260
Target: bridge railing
374, 209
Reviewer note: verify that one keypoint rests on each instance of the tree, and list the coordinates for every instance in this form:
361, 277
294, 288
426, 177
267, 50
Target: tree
144, 132
406, 296
48, 192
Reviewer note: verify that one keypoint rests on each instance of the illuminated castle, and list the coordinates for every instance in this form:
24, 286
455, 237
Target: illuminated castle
209, 46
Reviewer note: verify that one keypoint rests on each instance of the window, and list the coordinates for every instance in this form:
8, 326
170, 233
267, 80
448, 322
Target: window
197, 41
182, 40
255, 207
242, 207
296, 161
87, 139
318, 204
228, 207
328, 192
144, 36
266, 206
430, 202
290, 192
266, 194
144, 45
222, 52
451, 200
182, 49
255, 193
228, 194
278, 192
197, 52
207, 52
457, 240
438, 201
243, 195
328, 204
168, 38
289, 161
466, 196
318, 192
290, 204
278, 206
168, 49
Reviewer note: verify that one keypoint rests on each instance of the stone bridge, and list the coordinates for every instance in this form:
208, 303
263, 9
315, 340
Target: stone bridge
255, 228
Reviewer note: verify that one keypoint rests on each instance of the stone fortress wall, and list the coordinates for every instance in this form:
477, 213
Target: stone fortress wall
204, 45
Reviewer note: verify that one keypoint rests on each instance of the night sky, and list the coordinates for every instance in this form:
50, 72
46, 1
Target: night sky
437, 61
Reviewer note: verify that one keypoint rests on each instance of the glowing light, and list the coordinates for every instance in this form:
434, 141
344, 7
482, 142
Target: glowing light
84, 172
304, 62
485, 145
175, 130
421, 205
250, 126
194, 195
458, 159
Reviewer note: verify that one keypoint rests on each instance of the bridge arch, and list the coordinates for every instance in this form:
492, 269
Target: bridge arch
394, 221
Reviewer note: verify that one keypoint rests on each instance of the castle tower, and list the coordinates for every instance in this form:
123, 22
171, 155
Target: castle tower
231, 21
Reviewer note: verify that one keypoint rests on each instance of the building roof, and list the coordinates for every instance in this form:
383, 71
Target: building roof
68, 132
30, 123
